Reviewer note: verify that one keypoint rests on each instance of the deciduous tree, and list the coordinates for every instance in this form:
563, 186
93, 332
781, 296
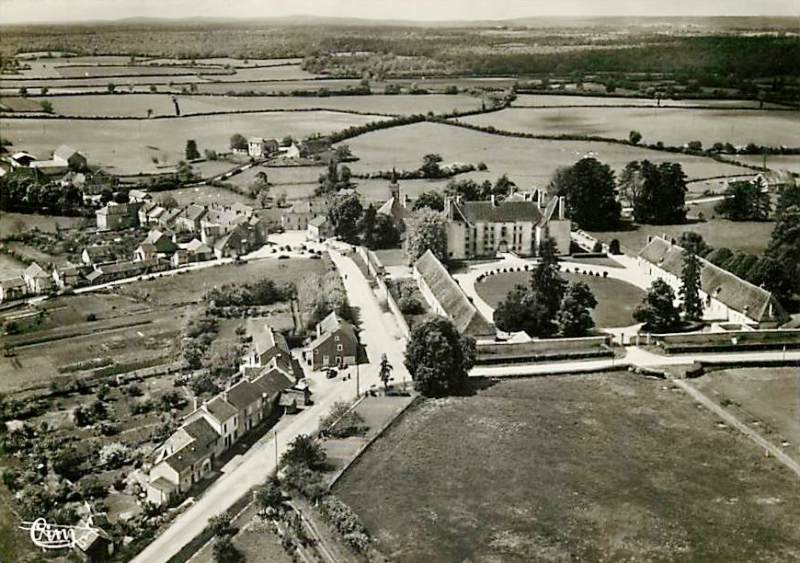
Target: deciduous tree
427, 230
590, 192
439, 357
658, 310
744, 201
692, 304
574, 315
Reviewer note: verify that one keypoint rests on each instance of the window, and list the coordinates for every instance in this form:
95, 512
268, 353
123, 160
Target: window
339, 348
336, 337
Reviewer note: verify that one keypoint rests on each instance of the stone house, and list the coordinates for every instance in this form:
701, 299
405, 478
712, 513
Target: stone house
335, 344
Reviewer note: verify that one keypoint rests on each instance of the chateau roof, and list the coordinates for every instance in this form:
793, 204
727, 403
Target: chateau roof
503, 212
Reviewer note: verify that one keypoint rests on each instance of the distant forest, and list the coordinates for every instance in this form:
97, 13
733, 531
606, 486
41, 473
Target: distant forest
432, 51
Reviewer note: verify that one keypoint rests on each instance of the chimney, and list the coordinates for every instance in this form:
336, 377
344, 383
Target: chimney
540, 198
194, 404
561, 208
494, 203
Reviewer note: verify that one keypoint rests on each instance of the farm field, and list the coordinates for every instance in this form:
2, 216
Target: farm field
527, 161
598, 482
10, 267
768, 399
747, 236
616, 300
128, 147
91, 71
119, 81
672, 126
204, 195
15, 223
546, 100
774, 162
16, 103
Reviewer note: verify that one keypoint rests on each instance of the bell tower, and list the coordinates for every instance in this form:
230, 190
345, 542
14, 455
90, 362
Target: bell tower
394, 187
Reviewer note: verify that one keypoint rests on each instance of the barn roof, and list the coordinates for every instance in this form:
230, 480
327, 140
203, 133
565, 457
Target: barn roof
451, 297
754, 302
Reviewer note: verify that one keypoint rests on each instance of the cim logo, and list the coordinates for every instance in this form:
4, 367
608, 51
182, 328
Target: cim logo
53, 536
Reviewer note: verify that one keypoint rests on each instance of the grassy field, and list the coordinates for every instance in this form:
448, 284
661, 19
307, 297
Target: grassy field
527, 161
616, 300
768, 399
607, 467
544, 100
672, 126
132, 146
747, 236
205, 195
15, 223
10, 267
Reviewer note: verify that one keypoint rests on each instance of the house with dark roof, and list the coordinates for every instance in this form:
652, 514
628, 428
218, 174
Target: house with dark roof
727, 297
446, 298
98, 254
71, 275
185, 458
480, 229
297, 217
118, 216
13, 288
335, 344
191, 218
156, 245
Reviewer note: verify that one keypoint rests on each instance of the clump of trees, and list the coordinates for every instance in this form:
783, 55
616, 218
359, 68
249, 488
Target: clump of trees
439, 358
657, 192
259, 293
744, 201
471, 190
548, 305
658, 310
590, 194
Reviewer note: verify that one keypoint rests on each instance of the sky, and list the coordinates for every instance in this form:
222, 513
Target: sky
24, 11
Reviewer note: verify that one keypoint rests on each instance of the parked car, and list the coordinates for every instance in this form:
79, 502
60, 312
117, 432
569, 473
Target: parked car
283, 257
331, 373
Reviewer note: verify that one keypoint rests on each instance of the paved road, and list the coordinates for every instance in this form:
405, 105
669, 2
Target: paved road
378, 335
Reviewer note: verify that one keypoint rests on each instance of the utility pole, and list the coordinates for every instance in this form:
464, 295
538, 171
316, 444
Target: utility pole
276, 450
358, 382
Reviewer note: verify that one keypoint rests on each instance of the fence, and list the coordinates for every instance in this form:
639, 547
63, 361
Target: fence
544, 350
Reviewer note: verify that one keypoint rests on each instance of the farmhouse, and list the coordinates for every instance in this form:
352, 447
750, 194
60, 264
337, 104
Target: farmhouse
190, 218
156, 245
776, 180
70, 275
446, 298
268, 349
97, 254
64, 159
319, 229
12, 288
298, 216
480, 229
118, 216
37, 280
21, 159
258, 147
336, 344
727, 297
193, 251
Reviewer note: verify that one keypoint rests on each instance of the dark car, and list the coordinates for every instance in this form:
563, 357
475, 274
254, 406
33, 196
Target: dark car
331, 373
283, 257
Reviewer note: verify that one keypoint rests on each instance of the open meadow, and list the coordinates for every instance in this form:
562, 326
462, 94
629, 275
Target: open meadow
527, 161
129, 147
616, 299
550, 100
767, 399
604, 467
672, 126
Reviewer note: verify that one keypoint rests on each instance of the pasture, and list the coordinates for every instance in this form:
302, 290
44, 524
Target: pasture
528, 162
616, 467
672, 126
10, 267
129, 147
616, 299
549, 100
768, 399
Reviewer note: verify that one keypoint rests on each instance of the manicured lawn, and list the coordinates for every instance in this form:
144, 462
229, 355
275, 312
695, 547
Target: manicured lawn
766, 398
606, 467
616, 299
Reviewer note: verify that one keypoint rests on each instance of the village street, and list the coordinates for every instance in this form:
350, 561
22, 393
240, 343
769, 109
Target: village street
377, 335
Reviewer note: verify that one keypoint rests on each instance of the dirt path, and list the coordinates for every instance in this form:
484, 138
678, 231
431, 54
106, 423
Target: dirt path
769, 447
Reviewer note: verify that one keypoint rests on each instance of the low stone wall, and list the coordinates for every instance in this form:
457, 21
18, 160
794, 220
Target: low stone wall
376, 271
743, 340
548, 349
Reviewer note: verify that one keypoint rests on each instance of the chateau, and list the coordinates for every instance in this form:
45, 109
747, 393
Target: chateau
519, 224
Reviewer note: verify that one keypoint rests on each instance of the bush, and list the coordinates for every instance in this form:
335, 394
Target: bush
114, 455
346, 522
410, 305
93, 488
598, 247
305, 481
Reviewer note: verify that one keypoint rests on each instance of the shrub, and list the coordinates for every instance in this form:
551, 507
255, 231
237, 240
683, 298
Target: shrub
305, 481
114, 455
93, 488
410, 305
346, 522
